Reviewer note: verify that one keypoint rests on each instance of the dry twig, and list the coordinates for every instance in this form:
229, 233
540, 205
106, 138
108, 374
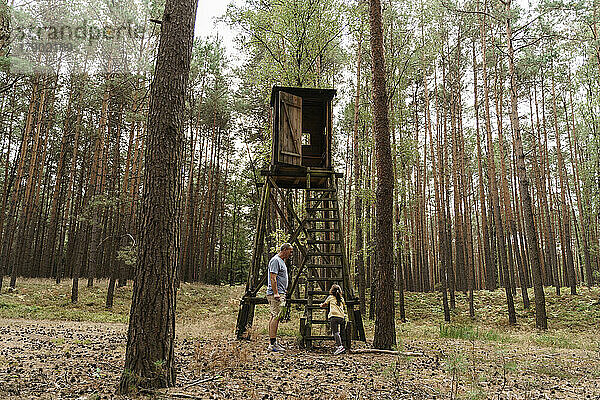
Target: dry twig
392, 352
199, 381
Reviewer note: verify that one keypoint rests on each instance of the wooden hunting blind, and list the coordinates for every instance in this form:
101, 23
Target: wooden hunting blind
301, 160
302, 132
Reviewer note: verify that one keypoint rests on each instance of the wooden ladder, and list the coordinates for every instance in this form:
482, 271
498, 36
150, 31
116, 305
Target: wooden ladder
326, 261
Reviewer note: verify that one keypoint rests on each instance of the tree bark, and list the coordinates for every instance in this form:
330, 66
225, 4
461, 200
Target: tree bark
149, 357
385, 331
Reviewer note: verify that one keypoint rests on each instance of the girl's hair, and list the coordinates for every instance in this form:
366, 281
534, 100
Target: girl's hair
336, 291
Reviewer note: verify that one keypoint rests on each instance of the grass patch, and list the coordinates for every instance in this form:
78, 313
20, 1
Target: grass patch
58, 341
42, 299
289, 331
554, 340
552, 370
466, 332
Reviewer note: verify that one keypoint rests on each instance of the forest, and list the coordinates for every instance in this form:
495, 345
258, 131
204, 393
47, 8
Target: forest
477, 233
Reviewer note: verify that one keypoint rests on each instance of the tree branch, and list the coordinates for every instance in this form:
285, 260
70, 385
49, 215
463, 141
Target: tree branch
10, 85
459, 11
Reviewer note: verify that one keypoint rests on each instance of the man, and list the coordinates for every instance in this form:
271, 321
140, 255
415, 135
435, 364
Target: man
276, 290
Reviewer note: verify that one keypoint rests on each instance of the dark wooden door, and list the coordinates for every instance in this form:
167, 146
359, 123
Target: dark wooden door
290, 129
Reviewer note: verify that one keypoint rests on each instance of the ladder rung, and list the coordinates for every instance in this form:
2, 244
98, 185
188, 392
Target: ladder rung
311, 209
317, 292
321, 189
323, 266
323, 172
322, 220
350, 302
312, 253
318, 338
319, 199
324, 279
323, 230
311, 241
319, 321
296, 301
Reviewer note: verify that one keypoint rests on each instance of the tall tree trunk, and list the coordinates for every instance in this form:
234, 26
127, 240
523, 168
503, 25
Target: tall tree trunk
512, 240
49, 251
358, 250
15, 198
541, 225
400, 283
96, 186
116, 215
370, 235
540, 302
440, 210
589, 279
550, 249
8, 180
385, 331
445, 183
488, 265
501, 243
565, 218
548, 183
77, 235
149, 357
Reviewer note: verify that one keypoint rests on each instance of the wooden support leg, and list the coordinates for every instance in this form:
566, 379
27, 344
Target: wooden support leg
244, 320
359, 331
308, 317
303, 330
254, 282
347, 335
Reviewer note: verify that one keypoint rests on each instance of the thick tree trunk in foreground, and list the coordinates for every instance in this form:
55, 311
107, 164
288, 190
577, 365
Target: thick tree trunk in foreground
149, 358
385, 331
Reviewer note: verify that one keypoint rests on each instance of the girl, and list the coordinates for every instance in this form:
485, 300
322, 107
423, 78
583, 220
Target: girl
336, 316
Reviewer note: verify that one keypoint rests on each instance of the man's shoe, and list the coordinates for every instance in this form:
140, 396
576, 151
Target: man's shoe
339, 350
275, 348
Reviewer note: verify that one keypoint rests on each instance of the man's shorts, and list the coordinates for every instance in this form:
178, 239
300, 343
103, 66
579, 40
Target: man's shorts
274, 304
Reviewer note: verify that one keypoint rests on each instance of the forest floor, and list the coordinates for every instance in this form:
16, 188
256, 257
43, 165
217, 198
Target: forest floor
51, 349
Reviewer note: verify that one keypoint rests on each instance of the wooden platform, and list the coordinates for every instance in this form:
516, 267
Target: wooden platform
295, 177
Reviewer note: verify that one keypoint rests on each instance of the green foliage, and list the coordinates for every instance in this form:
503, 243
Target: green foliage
96, 206
292, 43
456, 364
276, 239
127, 254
